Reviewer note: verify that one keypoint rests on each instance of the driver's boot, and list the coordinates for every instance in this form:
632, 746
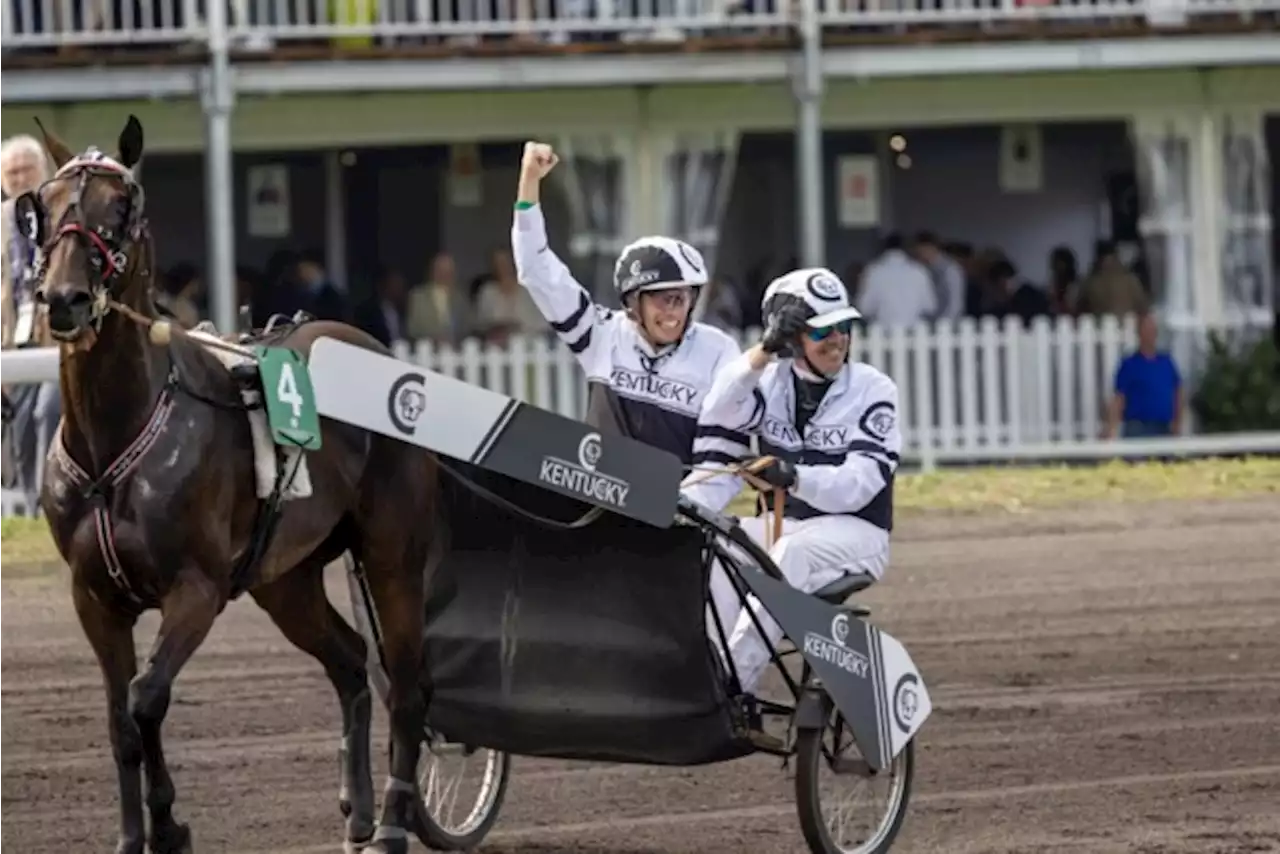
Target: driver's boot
756, 734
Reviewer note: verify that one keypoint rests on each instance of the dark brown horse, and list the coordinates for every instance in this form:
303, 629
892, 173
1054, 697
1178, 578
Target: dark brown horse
150, 494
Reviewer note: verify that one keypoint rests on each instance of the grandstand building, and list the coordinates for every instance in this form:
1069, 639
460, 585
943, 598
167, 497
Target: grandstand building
383, 134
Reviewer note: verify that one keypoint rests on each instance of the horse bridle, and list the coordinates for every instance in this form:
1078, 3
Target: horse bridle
107, 249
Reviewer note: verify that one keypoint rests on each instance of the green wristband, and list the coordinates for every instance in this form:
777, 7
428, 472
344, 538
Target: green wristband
524, 206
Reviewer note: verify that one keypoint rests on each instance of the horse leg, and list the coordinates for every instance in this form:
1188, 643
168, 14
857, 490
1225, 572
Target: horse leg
111, 636
188, 611
297, 604
396, 582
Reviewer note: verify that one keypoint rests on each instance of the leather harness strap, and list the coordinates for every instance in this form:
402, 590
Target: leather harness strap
99, 490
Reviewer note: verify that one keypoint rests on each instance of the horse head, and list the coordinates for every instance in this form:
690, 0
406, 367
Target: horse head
88, 226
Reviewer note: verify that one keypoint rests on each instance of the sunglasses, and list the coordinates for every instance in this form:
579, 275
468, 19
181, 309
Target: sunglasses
844, 327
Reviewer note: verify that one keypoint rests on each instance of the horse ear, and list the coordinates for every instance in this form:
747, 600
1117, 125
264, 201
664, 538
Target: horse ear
130, 143
57, 148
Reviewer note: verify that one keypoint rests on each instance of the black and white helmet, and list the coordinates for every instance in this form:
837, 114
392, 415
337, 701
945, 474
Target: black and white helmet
655, 263
822, 297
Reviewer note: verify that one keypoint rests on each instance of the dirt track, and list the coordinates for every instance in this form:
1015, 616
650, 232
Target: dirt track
1109, 681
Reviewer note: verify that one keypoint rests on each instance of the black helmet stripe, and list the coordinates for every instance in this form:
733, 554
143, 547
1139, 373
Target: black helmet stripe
647, 264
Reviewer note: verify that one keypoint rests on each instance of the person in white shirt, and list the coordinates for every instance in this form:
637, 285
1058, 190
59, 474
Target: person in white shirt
897, 290
831, 427
34, 409
949, 280
648, 365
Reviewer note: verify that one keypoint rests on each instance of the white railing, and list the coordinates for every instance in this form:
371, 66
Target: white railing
969, 391
58, 23
48, 23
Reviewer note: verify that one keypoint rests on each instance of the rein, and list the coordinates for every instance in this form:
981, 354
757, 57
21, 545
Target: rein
747, 471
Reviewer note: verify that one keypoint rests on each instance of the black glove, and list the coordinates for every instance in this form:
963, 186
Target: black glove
785, 327
779, 474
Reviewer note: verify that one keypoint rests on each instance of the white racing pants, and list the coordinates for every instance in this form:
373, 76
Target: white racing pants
811, 553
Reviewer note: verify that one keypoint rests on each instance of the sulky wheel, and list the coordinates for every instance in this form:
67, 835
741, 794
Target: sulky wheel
462, 789
845, 807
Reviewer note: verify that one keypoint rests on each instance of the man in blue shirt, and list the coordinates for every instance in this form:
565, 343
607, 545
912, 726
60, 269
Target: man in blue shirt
1148, 390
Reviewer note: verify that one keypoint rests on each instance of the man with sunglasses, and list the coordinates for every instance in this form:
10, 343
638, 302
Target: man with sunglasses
649, 365
831, 427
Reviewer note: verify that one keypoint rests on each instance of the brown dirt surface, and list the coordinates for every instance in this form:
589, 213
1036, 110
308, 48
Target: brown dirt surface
1103, 680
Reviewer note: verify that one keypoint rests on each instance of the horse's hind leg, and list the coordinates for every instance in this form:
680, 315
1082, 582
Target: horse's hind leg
398, 595
395, 535
298, 605
188, 611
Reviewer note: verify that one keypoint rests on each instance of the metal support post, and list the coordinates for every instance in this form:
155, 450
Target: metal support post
218, 101
808, 86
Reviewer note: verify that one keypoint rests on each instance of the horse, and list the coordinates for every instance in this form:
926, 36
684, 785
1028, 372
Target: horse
149, 493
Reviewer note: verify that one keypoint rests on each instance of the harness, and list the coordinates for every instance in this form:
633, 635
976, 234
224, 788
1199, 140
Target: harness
106, 246
98, 491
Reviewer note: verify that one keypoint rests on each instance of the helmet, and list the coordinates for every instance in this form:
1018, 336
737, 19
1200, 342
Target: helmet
822, 297
656, 263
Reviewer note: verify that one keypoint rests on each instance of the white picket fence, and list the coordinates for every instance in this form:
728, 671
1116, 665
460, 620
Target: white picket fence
970, 390
966, 385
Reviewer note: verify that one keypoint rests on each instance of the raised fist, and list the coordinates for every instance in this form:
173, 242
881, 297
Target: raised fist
539, 159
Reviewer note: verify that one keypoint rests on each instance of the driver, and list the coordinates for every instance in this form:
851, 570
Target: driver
832, 428
648, 366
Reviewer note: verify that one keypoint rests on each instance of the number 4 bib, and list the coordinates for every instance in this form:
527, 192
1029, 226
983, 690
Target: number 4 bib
290, 400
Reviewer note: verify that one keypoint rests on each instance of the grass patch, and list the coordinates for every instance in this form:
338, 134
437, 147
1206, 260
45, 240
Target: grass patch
26, 542
1014, 489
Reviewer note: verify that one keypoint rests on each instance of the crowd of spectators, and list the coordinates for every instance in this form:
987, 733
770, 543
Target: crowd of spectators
438, 307
929, 280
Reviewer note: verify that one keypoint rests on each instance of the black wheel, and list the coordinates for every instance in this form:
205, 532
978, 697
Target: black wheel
831, 824
455, 819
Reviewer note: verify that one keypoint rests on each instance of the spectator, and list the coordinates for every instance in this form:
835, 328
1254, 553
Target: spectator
503, 308
1064, 281
382, 315
1025, 301
180, 291
896, 289
437, 309
1148, 396
1111, 288
36, 408
320, 297
948, 276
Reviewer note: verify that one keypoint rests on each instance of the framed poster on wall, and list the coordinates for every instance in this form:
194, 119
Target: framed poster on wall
267, 196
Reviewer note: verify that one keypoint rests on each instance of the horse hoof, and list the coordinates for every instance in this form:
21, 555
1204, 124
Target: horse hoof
387, 846
173, 839
353, 847
124, 846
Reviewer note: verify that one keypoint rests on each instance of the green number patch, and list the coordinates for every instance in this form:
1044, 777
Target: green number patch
290, 399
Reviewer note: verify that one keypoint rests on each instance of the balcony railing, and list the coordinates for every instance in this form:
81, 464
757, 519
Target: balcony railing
77, 23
